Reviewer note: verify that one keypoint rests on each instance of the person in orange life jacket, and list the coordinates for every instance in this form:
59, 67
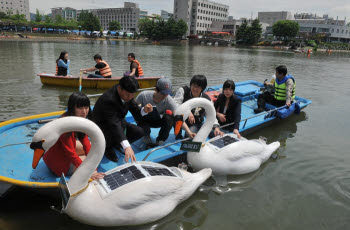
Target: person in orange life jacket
71, 148
62, 64
284, 91
228, 108
196, 118
102, 67
135, 66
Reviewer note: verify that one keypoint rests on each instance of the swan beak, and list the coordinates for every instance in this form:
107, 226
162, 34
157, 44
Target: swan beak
38, 153
178, 123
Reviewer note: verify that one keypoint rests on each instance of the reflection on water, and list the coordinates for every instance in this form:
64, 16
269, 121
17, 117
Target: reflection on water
307, 186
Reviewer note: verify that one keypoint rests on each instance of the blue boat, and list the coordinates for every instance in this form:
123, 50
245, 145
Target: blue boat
16, 160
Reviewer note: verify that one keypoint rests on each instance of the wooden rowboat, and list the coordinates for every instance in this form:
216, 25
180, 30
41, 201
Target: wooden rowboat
97, 83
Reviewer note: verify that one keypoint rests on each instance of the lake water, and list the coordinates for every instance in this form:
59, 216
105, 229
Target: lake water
306, 187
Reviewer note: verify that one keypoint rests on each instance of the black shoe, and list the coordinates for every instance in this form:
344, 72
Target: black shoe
258, 110
111, 156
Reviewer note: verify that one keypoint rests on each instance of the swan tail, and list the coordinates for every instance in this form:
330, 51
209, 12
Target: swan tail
271, 148
202, 175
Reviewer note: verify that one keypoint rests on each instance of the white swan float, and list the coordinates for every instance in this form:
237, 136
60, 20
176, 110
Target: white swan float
224, 155
130, 194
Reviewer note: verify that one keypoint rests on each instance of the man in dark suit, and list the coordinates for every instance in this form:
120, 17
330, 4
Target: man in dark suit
109, 114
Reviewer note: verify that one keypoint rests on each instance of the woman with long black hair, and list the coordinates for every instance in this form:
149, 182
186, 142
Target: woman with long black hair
228, 108
71, 148
62, 64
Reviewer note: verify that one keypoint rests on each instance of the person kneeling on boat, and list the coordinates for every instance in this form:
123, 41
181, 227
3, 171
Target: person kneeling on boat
162, 113
195, 120
228, 108
109, 114
71, 148
135, 67
284, 91
102, 68
62, 64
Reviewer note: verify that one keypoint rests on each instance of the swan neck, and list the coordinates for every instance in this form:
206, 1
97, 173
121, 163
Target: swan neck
81, 176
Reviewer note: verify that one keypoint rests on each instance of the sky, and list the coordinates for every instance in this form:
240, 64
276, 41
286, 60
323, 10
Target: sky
237, 9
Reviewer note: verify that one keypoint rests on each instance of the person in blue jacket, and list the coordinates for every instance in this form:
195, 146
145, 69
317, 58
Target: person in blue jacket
62, 64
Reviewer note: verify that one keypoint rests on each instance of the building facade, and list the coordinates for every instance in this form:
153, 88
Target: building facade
128, 16
331, 30
272, 17
66, 13
14, 6
165, 15
199, 14
143, 14
232, 25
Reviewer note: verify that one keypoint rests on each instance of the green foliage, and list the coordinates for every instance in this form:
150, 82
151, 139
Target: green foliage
89, 21
38, 16
241, 33
114, 26
285, 29
3, 15
159, 29
59, 19
47, 19
249, 34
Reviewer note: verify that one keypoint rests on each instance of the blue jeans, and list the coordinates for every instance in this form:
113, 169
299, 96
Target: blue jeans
95, 76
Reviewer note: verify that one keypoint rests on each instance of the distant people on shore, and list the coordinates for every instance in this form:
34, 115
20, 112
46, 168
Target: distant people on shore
284, 91
162, 114
71, 148
135, 67
62, 64
102, 69
228, 108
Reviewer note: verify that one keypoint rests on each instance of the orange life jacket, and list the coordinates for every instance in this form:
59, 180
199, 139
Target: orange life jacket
105, 71
139, 71
56, 68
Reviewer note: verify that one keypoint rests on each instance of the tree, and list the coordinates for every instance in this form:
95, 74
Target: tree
38, 16
254, 32
89, 21
47, 19
3, 15
241, 34
114, 26
58, 19
158, 29
285, 29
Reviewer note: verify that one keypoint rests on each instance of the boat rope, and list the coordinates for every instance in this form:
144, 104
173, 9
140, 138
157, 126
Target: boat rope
81, 190
28, 142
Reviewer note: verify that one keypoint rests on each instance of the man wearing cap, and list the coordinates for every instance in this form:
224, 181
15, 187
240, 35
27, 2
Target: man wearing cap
161, 115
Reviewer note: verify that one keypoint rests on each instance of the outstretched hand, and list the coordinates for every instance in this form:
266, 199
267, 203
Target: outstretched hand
97, 175
129, 154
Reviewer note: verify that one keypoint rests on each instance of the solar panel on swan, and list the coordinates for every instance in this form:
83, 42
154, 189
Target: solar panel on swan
155, 171
223, 141
133, 173
122, 177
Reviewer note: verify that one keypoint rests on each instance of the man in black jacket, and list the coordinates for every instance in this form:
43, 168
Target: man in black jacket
109, 114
